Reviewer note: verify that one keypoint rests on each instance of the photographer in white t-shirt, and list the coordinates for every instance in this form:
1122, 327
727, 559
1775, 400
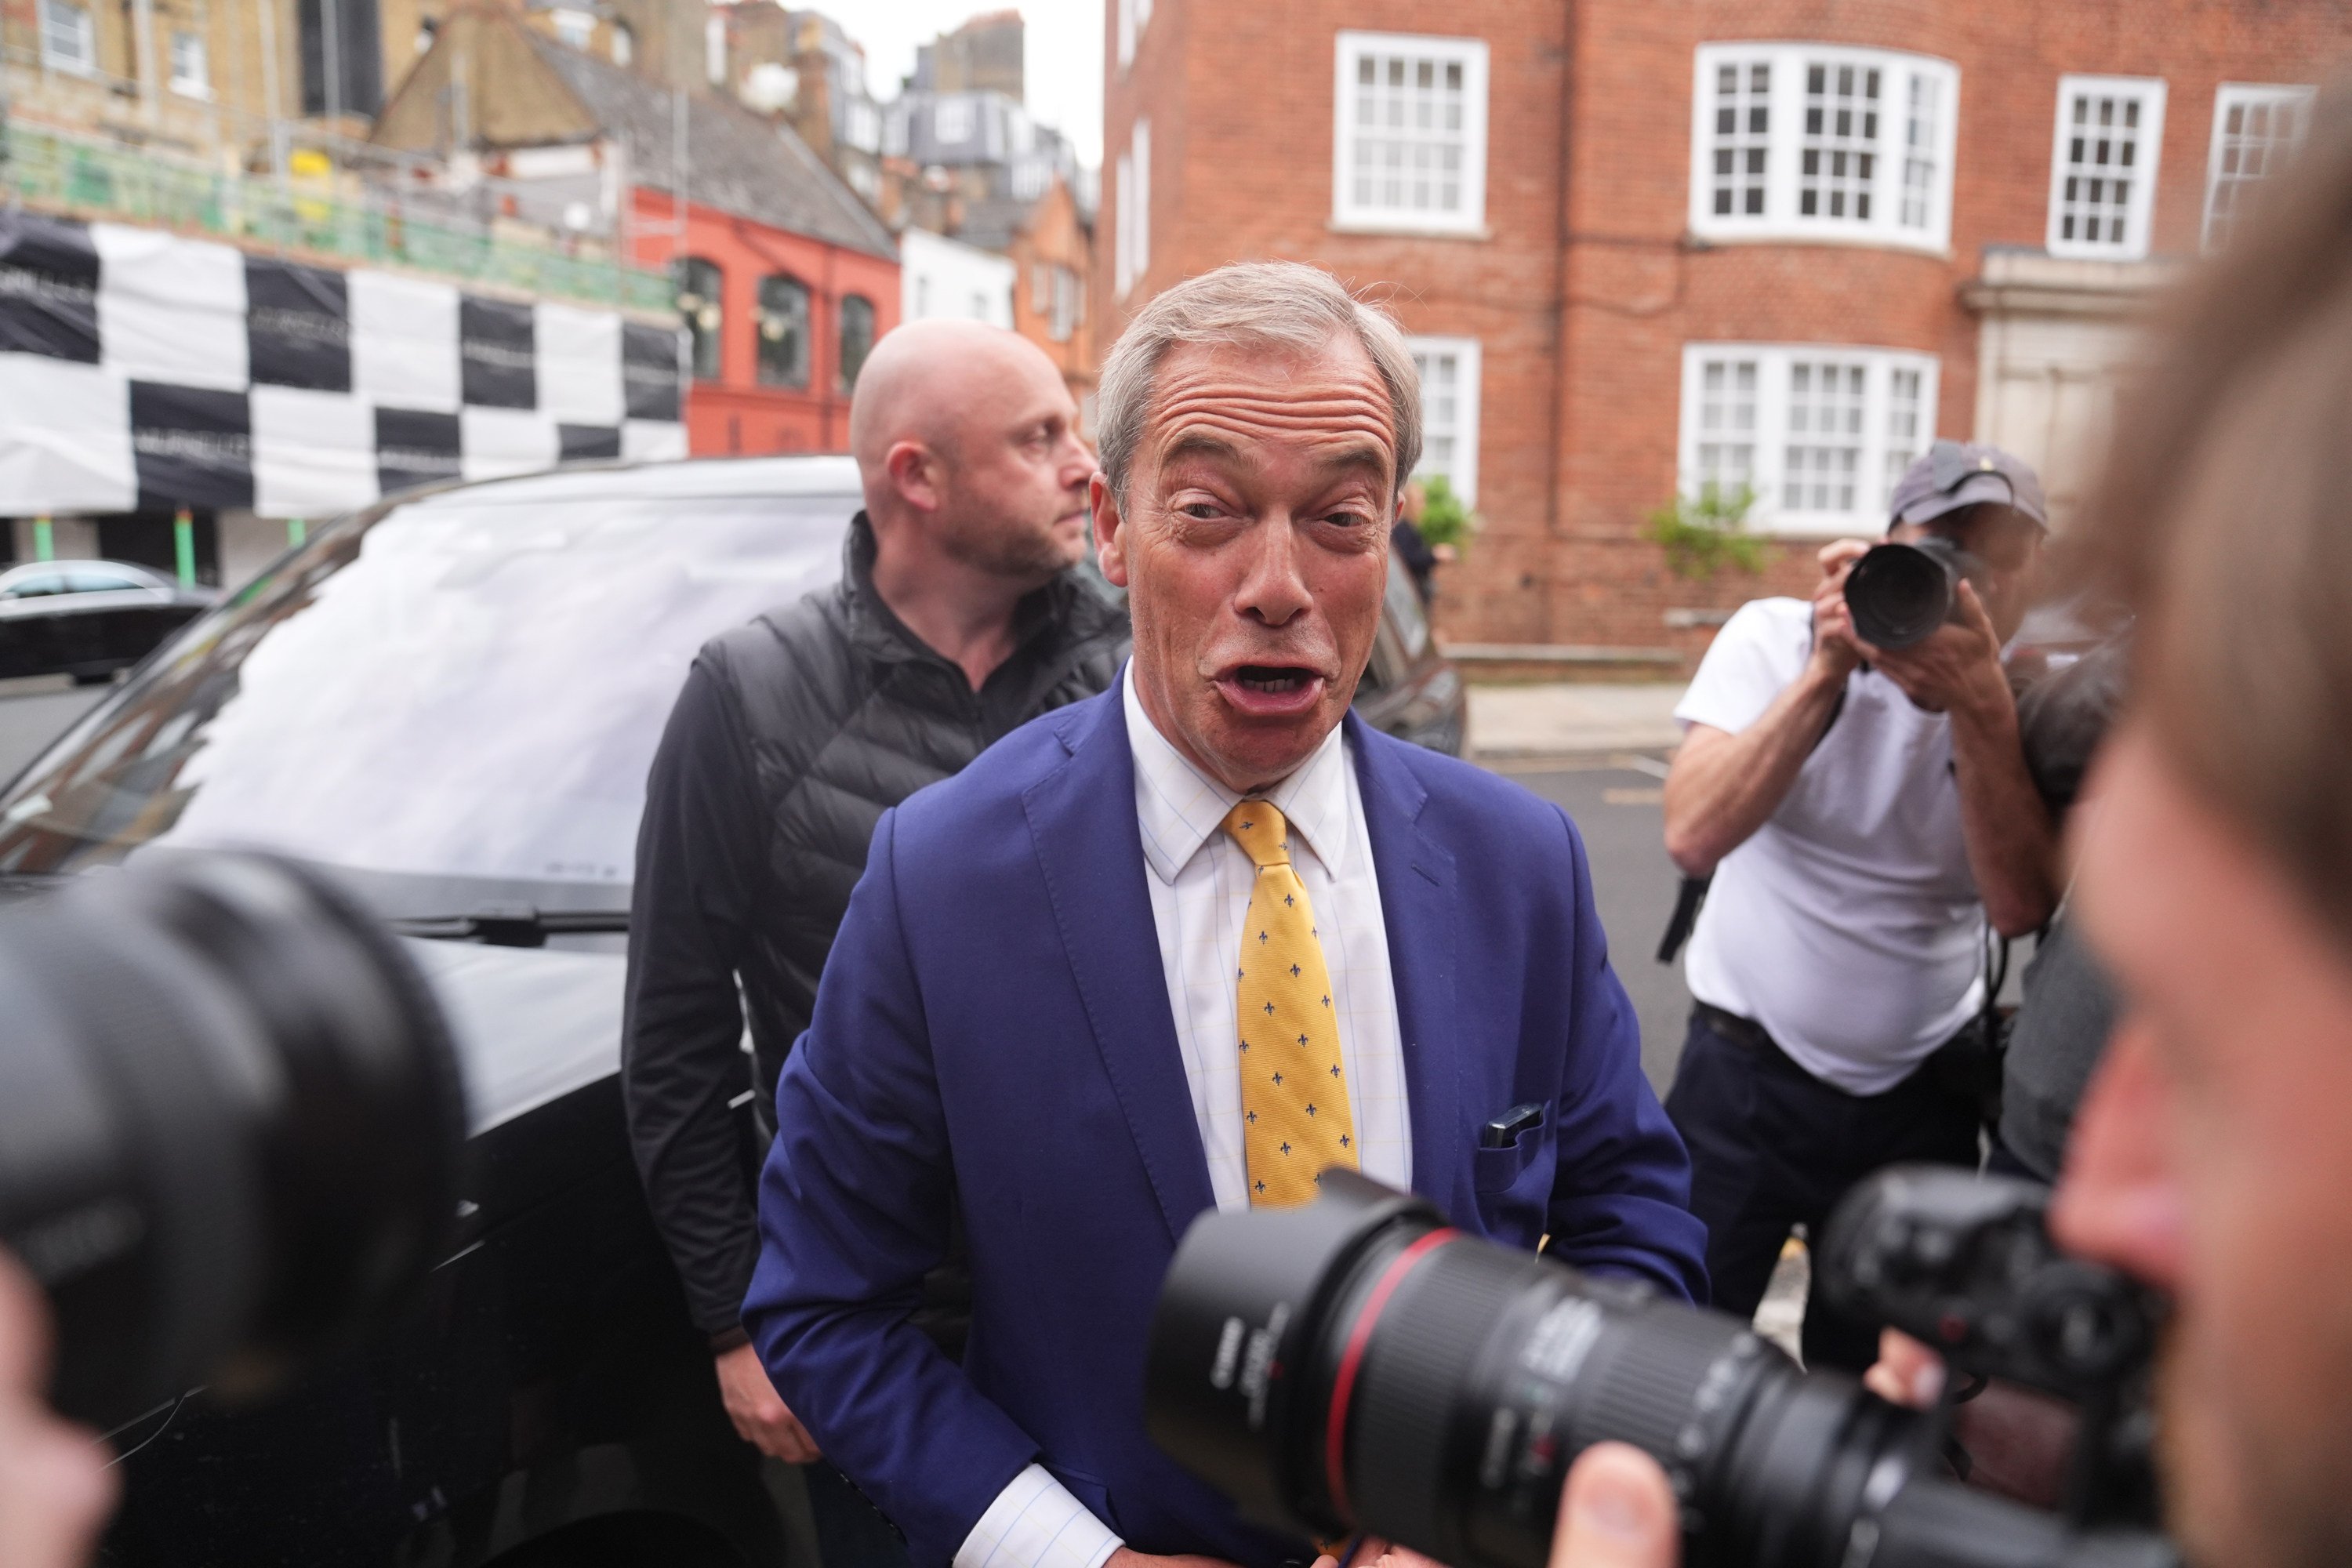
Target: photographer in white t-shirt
1864, 813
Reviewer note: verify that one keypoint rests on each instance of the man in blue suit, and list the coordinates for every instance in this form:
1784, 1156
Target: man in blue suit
1037, 1022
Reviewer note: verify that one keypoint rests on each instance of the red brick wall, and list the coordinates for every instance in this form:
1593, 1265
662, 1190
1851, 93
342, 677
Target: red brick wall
1587, 285
736, 414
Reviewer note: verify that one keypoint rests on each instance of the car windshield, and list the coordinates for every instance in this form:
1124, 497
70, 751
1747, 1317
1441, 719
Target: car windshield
455, 702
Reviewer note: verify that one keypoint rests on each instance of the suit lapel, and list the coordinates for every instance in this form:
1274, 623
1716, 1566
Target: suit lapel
1082, 820
1417, 906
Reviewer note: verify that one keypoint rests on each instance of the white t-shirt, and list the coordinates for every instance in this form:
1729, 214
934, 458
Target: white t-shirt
1849, 924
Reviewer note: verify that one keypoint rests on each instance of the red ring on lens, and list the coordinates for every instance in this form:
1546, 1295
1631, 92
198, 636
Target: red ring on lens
1344, 1385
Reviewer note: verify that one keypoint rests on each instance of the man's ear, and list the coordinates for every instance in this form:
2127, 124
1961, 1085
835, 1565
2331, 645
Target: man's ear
1111, 535
914, 471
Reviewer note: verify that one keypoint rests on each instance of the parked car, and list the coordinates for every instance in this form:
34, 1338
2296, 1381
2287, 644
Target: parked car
451, 701
88, 618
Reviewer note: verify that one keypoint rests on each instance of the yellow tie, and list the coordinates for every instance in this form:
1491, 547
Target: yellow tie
1294, 1118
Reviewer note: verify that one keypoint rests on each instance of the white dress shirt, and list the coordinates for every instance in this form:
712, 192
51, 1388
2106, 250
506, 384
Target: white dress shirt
1199, 881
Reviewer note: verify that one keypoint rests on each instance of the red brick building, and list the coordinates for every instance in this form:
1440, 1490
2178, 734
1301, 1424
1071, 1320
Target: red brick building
1642, 246
785, 279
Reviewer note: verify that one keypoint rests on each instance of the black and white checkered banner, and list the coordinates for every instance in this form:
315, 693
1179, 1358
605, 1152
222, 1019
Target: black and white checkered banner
142, 371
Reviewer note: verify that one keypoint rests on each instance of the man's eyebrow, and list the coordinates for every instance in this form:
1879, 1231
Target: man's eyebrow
1359, 454
1202, 444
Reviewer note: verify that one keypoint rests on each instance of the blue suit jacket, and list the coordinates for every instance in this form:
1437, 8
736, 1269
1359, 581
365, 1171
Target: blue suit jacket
992, 1034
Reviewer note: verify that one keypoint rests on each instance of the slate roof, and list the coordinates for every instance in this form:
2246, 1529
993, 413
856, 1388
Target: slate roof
736, 161
992, 223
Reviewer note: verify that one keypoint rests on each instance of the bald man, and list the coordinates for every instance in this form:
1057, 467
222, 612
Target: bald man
959, 615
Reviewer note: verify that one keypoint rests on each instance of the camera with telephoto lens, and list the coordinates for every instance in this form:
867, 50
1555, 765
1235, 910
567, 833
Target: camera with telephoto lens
1356, 1365
1899, 593
230, 1126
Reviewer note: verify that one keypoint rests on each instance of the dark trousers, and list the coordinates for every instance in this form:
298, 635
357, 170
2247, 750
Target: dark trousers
1772, 1146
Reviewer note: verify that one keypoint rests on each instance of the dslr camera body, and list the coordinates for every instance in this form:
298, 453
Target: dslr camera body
1355, 1364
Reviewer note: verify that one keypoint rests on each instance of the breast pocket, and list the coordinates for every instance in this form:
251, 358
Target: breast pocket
1494, 1171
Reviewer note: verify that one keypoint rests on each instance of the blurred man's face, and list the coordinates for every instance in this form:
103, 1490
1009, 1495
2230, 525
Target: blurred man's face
2213, 1158
1253, 542
1014, 500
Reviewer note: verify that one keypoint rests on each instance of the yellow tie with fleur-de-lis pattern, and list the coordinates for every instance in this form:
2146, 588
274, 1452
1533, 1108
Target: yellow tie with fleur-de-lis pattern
1294, 1116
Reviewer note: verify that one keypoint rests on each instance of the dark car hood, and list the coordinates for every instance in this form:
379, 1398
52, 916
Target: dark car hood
531, 1024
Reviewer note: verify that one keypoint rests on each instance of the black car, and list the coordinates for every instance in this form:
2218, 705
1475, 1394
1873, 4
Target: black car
88, 618
451, 701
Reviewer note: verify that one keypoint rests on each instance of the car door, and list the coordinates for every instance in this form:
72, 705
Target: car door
29, 599
117, 617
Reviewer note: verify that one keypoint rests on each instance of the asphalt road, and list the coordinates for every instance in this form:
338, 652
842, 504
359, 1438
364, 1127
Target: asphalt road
1615, 804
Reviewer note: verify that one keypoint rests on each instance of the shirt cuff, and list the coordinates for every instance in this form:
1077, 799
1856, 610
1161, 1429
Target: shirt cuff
1035, 1522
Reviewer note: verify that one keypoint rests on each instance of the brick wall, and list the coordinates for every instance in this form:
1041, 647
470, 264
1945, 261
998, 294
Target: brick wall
1586, 285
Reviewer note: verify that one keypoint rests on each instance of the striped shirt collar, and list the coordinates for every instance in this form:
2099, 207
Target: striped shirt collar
1180, 808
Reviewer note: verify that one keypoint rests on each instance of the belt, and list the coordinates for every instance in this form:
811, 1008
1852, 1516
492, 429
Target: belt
1746, 1033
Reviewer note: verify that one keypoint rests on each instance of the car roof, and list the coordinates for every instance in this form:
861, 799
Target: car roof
35, 568
690, 478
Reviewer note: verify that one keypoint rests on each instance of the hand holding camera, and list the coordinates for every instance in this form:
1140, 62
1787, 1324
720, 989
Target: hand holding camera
54, 1487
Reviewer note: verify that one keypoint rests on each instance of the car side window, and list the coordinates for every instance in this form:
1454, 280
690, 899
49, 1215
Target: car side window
84, 581
38, 586
1405, 609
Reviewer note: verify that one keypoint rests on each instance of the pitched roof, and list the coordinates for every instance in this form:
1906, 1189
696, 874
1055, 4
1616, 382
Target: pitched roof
736, 161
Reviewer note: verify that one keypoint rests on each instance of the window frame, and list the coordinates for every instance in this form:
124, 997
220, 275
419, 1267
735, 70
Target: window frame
1784, 139
2140, 218
2247, 94
1466, 433
1351, 45
695, 332
1768, 470
1132, 237
762, 311
182, 42
84, 28
847, 309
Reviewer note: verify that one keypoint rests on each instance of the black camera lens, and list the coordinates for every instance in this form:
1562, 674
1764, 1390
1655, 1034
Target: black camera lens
1356, 1365
1898, 594
230, 1124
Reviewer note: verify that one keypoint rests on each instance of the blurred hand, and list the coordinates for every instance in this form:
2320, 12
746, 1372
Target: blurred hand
1617, 1510
1125, 1558
1906, 1372
761, 1416
56, 1489
1837, 650
1957, 669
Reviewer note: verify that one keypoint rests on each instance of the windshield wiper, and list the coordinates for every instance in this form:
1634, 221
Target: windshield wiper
511, 925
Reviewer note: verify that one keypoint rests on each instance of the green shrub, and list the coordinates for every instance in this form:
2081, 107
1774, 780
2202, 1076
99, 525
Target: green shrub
1706, 533
1443, 518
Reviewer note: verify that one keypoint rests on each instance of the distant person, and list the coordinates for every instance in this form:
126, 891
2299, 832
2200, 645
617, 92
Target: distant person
1421, 558
1186, 946
959, 616
1864, 813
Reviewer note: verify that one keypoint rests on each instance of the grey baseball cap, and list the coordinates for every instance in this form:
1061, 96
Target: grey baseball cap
1954, 474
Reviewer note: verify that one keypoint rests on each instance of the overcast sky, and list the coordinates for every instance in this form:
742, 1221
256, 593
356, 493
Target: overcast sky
1064, 68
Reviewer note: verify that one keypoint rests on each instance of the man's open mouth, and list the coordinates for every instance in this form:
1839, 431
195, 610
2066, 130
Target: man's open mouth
1273, 691
1274, 680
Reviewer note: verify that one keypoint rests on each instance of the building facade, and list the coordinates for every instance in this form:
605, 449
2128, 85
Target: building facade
939, 276
1767, 245
783, 277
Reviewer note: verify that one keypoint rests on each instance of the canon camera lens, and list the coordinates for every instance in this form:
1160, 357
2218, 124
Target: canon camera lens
230, 1124
1898, 594
1356, 1365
